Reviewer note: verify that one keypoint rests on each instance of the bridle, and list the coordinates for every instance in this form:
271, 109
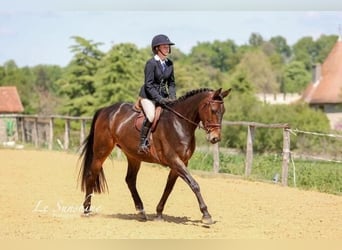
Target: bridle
207, 125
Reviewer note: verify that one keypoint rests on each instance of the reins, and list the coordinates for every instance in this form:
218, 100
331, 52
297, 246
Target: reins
207, 127
182, 116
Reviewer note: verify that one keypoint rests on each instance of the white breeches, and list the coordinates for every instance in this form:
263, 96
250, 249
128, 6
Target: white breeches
149, 108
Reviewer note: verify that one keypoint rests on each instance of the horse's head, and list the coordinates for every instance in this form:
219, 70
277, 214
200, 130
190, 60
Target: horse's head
211, 114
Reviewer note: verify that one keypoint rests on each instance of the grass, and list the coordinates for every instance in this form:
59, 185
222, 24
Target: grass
305, 174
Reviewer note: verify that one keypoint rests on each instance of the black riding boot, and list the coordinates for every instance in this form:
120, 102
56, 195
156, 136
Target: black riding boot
144, 144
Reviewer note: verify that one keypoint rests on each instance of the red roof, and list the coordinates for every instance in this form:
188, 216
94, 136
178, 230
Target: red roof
328, 89
9, 100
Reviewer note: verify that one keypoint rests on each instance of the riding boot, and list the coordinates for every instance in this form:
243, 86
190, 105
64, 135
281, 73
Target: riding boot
144, 143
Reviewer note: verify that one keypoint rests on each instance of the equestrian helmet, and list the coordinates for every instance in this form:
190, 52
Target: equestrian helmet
159, 40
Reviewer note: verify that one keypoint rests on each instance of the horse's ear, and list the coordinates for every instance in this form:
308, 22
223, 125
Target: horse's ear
225, 93
217, 93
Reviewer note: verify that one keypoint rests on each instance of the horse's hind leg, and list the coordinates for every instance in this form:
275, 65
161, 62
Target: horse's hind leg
94, 183
131, 180
171, 180
95, 180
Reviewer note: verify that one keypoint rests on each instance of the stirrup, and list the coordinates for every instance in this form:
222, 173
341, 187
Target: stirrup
144, 147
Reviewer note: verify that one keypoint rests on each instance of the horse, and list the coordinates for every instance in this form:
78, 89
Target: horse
172, 144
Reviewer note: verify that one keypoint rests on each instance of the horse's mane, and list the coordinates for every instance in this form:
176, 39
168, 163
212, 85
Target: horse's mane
189, 94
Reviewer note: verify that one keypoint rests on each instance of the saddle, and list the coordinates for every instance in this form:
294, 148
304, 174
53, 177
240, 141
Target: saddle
139, 120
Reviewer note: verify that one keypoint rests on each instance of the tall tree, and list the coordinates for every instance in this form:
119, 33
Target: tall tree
305, 50
281, 47
45, 85
324, 45
120, 74
295, 78
78, 83
255, 40
259, 71
219, 55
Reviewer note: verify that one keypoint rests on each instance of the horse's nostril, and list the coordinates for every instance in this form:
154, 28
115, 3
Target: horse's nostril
215, 140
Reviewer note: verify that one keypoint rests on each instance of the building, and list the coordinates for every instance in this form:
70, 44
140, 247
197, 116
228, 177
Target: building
325, 90
10, 103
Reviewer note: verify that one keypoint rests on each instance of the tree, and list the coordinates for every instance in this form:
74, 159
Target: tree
306, 51
239, 82
295, 78
324, 45
77, 84
45, 86
220, 55
281, 47
255, 40
120, 75
259, 71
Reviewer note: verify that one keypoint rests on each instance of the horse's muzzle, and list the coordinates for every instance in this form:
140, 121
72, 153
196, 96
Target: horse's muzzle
214, 137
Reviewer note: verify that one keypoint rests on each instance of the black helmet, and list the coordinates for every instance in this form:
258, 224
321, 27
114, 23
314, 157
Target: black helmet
159, 40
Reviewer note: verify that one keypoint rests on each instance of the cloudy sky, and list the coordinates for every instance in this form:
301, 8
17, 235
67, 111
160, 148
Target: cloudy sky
39, 32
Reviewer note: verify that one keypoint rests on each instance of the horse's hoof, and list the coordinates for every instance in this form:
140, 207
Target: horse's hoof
207, 220
87, 214
159, 218
142, 216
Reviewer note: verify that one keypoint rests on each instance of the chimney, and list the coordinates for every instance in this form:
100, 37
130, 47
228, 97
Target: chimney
316, 73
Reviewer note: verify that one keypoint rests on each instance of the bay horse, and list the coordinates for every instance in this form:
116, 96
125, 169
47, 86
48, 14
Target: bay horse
171, 144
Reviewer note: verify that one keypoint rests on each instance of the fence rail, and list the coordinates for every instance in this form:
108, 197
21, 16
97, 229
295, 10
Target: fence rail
37, 121
31, 134
249, 146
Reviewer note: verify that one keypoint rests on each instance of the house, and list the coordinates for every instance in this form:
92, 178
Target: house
10, 103
325, 90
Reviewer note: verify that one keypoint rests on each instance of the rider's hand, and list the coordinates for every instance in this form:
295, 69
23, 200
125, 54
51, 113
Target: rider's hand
163, 102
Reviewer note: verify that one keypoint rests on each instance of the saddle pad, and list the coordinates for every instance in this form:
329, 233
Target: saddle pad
141, 117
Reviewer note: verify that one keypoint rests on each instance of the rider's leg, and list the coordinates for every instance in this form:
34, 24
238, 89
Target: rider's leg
149, 110
144, 143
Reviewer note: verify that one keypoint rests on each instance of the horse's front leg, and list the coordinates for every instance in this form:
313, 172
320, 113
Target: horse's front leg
183, 172
131, 180
171, 180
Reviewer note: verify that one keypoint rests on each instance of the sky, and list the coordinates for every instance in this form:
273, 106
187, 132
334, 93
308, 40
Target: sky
36, 32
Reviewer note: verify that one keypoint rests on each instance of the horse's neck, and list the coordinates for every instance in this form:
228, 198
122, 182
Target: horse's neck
189, 108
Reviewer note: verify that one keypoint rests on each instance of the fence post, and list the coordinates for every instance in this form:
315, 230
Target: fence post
51, 133
249, 150
66, 134
17, 121
35, 132
22, 127
82, 133
216, 157
286, 156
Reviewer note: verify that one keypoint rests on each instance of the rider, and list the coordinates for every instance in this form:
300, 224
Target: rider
159, 86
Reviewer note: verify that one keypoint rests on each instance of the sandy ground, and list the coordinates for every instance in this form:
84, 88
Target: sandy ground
40, 199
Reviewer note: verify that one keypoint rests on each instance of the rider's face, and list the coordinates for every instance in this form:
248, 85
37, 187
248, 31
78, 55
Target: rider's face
164, 49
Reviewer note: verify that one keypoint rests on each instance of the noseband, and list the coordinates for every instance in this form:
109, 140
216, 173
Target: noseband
207, 126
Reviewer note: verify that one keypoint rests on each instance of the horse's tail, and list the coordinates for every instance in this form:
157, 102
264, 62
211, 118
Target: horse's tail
88, 154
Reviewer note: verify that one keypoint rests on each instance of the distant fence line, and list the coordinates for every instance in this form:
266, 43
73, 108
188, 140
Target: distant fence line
31, 133
36, 123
